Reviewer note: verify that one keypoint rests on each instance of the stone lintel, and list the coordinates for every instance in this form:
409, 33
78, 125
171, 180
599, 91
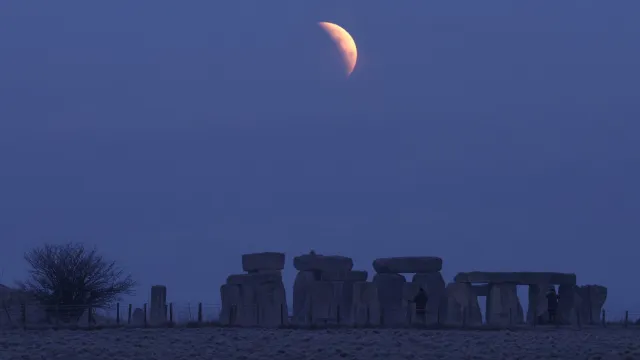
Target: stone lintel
519, 278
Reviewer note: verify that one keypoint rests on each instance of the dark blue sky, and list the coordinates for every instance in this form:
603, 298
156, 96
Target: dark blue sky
499, 135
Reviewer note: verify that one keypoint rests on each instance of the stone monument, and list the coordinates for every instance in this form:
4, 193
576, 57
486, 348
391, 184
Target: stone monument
397, 297
158, 306
257, 298
327, 291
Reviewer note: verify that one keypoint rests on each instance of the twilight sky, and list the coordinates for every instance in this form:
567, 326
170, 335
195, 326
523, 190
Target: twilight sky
175, 136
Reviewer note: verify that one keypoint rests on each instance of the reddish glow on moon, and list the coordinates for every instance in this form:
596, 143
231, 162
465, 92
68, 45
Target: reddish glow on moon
345, 44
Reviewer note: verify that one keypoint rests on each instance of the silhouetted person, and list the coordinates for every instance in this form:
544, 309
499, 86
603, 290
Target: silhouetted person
421, 304
552, 304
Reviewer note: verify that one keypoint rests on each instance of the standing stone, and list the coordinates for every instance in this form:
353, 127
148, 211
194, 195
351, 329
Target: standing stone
537, 303
343, 293
433, 285
256, 299
366, 306
157, 315
323, 289
137, 318
593, 298
322, 302
393, 308
566, 303
302, 287
271, 304
577, 317
231, 299
462, 305
502, 305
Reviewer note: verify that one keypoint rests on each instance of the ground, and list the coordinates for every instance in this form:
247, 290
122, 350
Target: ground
365, 344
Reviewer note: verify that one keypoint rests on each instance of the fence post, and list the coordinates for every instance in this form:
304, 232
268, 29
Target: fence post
199, 312
171, 313
257, 314
144, 311
129, 315
368, 323
578, 318
626, 318
604, 318
117, 313
89, 315
57, 316
23, 315
338, 314
281, 314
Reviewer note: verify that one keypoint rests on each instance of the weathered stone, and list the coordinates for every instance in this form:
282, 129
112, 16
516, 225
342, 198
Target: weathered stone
434, 287
366, 307
271, 304
137, 318
566, 301
391, 290
577, 316
157, 310
538, 304
502, 305
524, 278
462, 305
246, 310
407, 264
343, 297
263, 261
322, 263
257, 299
353, 275
322, 299
593, 298
322, 302
230, 299
260, 277
302, 296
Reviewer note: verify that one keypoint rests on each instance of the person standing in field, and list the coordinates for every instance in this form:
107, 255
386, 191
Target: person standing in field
421, 305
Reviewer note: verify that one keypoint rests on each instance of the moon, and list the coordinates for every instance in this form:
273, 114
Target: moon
345, 44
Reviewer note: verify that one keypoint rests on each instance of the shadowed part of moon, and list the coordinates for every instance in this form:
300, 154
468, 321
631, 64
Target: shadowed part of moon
345, 43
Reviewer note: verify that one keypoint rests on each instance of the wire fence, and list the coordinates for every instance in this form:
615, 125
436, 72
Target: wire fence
32, 315
36, 316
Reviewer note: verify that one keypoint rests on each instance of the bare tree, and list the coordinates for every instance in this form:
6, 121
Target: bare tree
69, 278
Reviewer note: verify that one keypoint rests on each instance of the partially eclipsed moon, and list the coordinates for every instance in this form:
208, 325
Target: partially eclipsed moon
345, 44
